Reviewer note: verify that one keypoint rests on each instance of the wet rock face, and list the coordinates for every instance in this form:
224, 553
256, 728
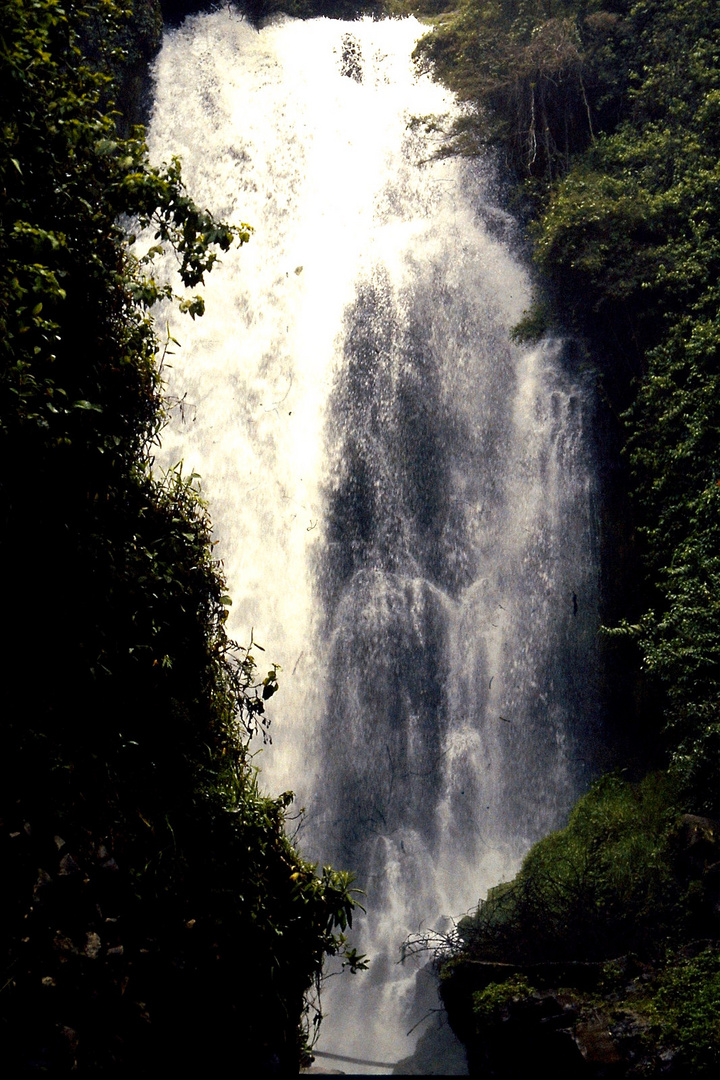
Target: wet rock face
574, 1028
552, 1033
351, 60
527, 1033
174, 11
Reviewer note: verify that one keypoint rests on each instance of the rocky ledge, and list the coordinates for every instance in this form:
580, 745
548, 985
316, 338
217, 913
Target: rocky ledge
573, 1021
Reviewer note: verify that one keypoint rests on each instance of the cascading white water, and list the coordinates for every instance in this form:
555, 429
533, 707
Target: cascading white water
403, 499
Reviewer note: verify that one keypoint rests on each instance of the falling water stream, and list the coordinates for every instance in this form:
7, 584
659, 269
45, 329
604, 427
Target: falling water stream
404, 499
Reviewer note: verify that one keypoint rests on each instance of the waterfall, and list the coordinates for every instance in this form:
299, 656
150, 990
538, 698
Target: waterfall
404, 500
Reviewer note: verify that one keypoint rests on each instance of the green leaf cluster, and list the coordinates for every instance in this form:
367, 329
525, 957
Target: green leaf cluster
620, 907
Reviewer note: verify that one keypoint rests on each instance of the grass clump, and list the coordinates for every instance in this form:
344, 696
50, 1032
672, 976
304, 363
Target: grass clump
604, 885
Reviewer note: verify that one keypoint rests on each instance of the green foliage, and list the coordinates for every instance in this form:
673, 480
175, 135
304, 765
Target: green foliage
607, 115
489, 1003
685, 1009
545, 77
532, 326
673, 424
158, 913
76, 345
604, 885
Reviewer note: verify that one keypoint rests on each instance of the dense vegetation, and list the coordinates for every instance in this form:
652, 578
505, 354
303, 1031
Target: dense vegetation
611, 923
604, 116
607, 117
602, 886
156, 911
158, 914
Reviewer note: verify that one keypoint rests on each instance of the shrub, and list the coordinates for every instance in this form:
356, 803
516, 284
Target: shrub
604, 885
158, 914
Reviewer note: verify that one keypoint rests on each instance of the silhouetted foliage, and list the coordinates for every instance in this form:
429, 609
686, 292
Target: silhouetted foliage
157, 913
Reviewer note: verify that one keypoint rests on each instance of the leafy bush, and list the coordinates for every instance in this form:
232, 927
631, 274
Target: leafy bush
158, 914
604, 885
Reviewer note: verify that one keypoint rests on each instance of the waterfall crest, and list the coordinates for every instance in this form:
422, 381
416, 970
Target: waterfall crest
404, 500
